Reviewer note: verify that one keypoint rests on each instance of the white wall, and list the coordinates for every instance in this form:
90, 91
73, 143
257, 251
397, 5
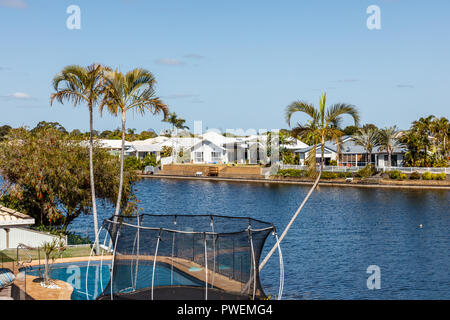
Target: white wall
207, 147
28, 237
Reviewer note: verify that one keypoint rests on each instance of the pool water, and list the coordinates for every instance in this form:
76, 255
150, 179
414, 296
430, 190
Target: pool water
99, 276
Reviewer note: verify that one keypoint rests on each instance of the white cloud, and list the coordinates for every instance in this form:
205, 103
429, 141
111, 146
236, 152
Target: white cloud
18, 4
19, 96
409, 86
170, 62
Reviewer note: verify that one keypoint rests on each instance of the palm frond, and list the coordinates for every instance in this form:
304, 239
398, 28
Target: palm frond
300, 106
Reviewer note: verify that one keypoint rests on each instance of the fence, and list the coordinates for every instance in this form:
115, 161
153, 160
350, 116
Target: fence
384, 169
29, 237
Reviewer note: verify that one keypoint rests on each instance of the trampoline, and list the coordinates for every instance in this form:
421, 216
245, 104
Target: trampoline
186, 257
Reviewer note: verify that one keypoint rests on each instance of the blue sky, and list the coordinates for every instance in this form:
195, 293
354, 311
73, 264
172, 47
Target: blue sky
232, 64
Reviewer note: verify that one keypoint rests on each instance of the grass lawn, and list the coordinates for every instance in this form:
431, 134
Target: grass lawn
11, 254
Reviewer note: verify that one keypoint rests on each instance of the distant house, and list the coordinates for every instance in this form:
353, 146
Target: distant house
114, 146
216, 148
352, 154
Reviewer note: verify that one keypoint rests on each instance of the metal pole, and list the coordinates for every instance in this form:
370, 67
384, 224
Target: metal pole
290, 222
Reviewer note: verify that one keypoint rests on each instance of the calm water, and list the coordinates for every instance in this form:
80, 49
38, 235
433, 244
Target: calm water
340, 232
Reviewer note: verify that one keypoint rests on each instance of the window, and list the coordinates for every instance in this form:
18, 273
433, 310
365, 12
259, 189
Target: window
198, 157
215, 156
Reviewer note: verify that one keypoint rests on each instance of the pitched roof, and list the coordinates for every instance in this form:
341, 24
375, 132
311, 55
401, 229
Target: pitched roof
13, 218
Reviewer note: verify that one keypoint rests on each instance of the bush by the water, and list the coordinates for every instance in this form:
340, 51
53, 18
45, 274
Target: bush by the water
439, 176
397, 175
329, 175
367, 171
345, 175
434, 176
291, 173
427, 176
415, 176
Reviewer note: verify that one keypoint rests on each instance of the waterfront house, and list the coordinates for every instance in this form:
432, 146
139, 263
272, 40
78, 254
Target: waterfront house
351, 154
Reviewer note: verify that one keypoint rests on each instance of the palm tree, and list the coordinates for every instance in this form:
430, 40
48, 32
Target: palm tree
441, 130
368, 138
388, 139
78, 84
322, 126
423, 128
131, 91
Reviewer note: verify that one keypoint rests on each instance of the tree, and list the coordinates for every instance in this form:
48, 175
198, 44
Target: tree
45, 125
47, 174
322, 126
131, 91
368, 138
388, 140
77, 85
350, 130
441, 128
4, 130
51, 252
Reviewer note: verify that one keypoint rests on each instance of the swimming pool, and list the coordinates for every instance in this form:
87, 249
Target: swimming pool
100, 274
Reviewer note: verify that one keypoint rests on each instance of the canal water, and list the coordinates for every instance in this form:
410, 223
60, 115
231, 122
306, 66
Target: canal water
339, 234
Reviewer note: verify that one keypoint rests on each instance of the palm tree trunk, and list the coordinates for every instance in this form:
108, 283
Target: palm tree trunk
389, 159
323, 153
122, 151
91, 173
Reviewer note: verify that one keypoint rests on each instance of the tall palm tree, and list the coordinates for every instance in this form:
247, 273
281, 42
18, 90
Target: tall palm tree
322, 126
423, 128
131, 91
368, 138
389, 139
79, 84
441, 130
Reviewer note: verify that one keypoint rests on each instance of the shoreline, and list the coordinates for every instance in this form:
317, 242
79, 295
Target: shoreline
297, 182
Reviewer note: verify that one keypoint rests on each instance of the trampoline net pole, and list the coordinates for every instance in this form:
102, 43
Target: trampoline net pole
206, 267
154, 261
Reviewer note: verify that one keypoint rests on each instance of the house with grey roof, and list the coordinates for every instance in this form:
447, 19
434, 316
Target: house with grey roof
351, 154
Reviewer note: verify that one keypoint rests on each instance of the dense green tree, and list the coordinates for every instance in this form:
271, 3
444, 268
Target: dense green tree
46, 125
47, 175
4, 130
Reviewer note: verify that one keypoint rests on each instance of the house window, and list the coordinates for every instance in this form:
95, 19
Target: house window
199, 157
215, 156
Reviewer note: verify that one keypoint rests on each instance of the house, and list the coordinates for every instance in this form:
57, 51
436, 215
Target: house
216, 148
351, 154
114, 146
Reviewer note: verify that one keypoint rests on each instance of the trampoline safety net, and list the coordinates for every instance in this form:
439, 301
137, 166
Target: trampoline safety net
187, 257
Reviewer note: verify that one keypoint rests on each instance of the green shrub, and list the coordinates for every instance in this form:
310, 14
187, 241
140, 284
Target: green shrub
291, 173
438, 176
427, 176
333, 163
441, 176
367, 171
345, 174
394, 174
402, 176
415, 176
329, 175
132, 163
